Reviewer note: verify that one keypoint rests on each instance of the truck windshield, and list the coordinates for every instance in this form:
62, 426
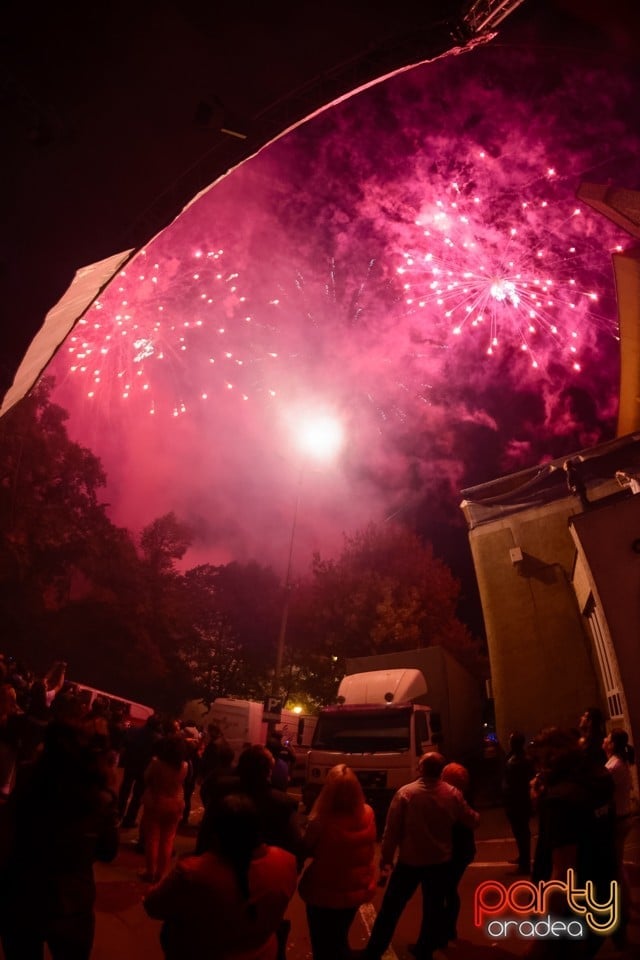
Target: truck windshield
363, 731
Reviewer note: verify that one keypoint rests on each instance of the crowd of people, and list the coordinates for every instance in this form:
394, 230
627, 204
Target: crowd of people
58, 814
578, 785
73, 773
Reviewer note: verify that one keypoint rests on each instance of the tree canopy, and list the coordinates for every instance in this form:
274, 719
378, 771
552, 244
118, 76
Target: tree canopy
120, 608
386, 591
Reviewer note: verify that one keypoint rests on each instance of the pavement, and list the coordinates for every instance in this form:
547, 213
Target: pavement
124, 932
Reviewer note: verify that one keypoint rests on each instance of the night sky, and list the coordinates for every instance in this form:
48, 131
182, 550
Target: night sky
412, 261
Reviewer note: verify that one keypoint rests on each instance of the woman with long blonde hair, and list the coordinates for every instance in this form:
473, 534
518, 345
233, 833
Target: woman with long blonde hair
340, 838
162, 805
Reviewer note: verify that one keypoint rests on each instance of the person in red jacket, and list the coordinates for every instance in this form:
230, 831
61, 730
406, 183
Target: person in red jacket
340, 838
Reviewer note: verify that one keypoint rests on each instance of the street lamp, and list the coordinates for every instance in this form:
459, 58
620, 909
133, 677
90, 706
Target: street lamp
318, 437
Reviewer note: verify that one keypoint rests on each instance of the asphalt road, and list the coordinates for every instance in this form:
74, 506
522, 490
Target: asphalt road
125, 932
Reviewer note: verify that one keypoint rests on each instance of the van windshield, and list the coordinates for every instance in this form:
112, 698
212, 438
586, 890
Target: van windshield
378, 730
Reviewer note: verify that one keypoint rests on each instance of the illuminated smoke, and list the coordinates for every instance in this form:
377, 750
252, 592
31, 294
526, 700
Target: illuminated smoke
414, 258
170, 332
518, 280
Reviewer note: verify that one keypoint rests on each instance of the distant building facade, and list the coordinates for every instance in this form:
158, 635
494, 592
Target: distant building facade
556, 550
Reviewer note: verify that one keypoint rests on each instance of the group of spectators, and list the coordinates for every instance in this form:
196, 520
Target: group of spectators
57, 813
251, 830
578, 785
73, 774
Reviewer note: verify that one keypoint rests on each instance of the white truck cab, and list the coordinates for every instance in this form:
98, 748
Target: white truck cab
378, 729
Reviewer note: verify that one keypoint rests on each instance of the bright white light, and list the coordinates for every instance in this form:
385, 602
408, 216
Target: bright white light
320, 437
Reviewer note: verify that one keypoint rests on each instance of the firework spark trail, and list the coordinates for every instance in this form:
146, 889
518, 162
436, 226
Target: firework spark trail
480, 273
313, 231
171, 332
480, 251
513, 278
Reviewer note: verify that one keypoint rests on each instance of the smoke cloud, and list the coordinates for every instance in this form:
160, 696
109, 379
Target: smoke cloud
411, 261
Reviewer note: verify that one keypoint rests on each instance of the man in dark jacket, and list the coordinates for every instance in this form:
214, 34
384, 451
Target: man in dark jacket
137, 750
277, 812
518, 773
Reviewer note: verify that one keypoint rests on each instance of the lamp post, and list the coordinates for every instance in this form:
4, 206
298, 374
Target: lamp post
282, 633
320, 438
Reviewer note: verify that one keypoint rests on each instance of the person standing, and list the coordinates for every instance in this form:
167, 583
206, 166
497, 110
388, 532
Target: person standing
463, 852
137, 750
193, 752
619, 759
229, 901
62, 817
593, 730
518, 774
419, 827
283, 761
276, 810
162, 805
54, 681
9, 738
215, 753
340, 838
573, 798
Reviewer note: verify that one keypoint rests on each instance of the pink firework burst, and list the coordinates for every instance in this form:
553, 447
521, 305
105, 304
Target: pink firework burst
169, 332
499, 271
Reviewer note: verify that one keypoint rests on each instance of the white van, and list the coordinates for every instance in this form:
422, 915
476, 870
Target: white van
134, 713
242, 723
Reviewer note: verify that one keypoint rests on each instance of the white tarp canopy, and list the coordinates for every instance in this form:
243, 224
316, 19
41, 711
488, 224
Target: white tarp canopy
86, 285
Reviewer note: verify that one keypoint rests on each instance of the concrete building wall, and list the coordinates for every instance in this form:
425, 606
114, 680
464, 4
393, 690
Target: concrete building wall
608, 542
541, 655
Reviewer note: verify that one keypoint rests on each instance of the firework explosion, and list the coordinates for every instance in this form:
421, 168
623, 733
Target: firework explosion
176, 329
173, 330
415, 259
168, 332
513, 279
